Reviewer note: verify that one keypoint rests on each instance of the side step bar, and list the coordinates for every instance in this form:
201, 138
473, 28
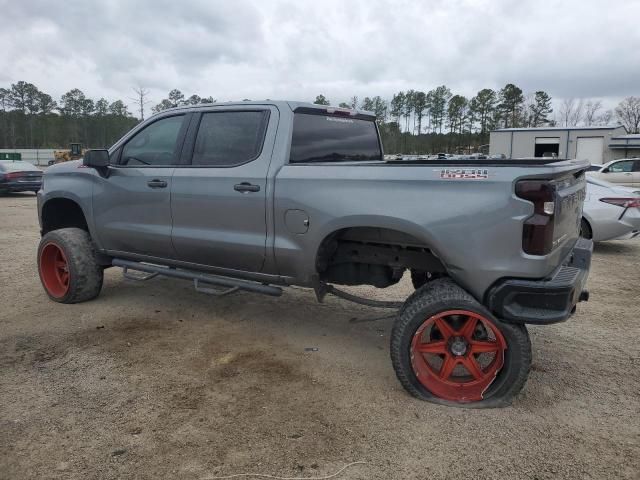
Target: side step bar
197, 277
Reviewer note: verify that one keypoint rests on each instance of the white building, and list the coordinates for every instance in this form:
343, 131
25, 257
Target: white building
596, 144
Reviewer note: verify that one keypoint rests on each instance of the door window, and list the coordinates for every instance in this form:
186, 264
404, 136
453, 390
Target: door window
618, 167
227, 139
155, 145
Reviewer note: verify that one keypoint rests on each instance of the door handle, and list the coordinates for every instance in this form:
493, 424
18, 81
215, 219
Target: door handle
246, 187
155, 183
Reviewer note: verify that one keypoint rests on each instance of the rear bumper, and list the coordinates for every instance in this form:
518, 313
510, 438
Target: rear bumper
550, 300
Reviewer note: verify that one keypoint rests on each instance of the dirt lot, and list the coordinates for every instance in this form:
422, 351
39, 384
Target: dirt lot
156, 381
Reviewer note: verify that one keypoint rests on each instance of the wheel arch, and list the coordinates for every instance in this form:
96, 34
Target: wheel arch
62, 212
393, 225
395, 234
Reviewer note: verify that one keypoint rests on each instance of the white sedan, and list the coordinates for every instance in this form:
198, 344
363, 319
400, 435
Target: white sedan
624, 171
610, 211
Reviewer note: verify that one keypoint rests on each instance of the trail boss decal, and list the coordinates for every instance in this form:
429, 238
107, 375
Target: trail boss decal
464, 173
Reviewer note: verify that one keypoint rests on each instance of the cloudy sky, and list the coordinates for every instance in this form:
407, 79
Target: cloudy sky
296, 49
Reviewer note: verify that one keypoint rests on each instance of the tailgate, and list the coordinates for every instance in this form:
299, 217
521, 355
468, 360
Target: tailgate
570, 195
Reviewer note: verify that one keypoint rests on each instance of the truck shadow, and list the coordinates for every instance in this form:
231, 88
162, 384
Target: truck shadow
613, 248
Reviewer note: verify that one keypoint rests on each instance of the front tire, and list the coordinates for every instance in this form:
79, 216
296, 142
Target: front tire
67, 266
447, 348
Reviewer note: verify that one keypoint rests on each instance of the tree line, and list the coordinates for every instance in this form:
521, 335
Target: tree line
439, 120
410, 122
31, 118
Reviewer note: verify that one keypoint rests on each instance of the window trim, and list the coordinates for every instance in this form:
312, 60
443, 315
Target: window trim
178, 148
190, 144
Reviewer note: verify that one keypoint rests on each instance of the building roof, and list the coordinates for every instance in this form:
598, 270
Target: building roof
555, 129
629, 136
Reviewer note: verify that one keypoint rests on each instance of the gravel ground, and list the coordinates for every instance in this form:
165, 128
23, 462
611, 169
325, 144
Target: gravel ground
157, 381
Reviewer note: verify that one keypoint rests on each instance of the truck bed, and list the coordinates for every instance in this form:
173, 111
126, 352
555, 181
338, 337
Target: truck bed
488, 162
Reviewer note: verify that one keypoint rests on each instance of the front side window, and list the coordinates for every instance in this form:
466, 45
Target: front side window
618, 167
226, 139
325, 138
154, 145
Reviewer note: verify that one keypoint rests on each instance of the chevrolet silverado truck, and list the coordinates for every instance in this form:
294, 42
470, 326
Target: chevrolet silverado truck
257, 196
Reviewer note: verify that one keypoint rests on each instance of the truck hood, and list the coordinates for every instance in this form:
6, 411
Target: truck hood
63, 167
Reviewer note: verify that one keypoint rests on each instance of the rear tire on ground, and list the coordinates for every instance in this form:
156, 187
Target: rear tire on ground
67, 266
585, 229
484, 366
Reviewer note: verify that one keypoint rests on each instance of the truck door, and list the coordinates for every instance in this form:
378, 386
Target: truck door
621, 173
132, 204
219, 198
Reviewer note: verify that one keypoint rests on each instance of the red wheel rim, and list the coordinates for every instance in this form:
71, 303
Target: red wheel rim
54, 270
457, 354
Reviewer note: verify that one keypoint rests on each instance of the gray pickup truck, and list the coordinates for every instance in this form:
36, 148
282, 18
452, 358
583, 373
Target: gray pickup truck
261, 195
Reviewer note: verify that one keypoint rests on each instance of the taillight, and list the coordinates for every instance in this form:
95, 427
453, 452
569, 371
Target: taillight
537, 232
13, 175
623, 202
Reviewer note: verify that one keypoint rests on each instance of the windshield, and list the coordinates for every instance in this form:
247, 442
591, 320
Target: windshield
325, 138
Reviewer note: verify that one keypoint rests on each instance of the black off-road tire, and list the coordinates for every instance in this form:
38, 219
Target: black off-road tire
85, 274
442, 295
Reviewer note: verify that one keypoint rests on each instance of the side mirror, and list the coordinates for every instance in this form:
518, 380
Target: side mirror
606, 170
96, 159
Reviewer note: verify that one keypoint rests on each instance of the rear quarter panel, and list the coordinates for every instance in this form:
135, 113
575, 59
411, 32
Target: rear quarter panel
473, 226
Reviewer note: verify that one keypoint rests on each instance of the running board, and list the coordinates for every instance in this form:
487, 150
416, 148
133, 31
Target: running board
196, 277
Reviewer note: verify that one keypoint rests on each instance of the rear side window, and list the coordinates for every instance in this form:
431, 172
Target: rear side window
323, 138
226, 139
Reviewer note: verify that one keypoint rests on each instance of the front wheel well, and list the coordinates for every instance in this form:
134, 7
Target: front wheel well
373, 256
60, 213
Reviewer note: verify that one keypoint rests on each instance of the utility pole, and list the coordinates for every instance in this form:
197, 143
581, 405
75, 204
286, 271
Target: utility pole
140, 99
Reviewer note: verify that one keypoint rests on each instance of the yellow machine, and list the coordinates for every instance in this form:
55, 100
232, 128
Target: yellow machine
75, 152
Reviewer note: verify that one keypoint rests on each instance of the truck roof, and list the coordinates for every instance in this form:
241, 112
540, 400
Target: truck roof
291, 104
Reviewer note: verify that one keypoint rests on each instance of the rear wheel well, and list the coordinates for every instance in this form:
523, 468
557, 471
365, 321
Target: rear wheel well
62, 213
373, 256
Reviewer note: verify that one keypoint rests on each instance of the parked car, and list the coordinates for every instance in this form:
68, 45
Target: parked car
19, 176
624, 171
610, 211
258, 196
